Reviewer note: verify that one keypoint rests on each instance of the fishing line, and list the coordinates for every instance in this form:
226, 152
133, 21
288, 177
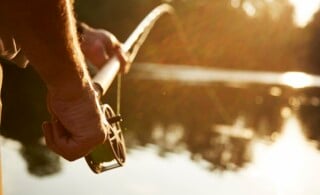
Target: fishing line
118, 103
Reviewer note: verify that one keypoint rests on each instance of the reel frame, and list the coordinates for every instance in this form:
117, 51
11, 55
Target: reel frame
114, 143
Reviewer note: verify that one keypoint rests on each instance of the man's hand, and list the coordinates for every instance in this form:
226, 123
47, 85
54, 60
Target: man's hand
99, 45
77, 125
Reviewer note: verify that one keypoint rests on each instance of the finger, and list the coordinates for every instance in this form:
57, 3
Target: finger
48, 135
112, 44
59, 130
124, 60
48, 104
61, 140
66, 144
98, 54
52, 137
114, 48
54, 121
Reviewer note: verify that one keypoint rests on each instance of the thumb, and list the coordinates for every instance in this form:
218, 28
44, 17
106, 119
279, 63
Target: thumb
47, 130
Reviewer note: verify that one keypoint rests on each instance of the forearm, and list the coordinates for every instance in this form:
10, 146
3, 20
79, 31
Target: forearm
47, 34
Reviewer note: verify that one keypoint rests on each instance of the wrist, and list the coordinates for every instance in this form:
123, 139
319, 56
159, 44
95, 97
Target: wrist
70, 88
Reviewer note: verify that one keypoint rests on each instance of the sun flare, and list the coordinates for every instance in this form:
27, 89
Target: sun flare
297, 79
287, 161
304, 10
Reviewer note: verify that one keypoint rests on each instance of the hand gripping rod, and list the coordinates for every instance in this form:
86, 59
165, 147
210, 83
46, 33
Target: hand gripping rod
109, 71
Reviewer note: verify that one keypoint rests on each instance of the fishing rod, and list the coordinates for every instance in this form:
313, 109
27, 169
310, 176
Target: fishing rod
112, 153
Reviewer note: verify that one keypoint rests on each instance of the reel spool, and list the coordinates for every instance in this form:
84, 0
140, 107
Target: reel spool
112, 153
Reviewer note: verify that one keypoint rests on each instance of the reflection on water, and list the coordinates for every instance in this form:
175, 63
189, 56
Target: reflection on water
284, 167
289, 162
203, 75
215, 136
297, 79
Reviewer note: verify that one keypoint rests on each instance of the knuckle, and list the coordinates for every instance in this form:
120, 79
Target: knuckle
95, 138
97, 47
98, 137
70, 158
71, 155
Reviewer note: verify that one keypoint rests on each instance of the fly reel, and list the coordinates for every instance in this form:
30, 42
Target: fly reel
112, 153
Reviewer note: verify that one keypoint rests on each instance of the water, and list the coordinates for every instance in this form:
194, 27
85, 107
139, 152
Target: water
284, 167
197, 75
217, 136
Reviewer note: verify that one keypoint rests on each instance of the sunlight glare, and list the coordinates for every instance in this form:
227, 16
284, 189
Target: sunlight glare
304, 10
249, 8
296, 79
284, 162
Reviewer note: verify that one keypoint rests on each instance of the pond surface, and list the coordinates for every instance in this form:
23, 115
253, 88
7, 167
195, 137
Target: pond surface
258, 136
287, 166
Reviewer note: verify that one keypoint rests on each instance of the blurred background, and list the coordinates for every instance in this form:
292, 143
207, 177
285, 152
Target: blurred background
223, 98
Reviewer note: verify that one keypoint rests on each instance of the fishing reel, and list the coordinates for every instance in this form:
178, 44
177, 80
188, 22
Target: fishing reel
112, 153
